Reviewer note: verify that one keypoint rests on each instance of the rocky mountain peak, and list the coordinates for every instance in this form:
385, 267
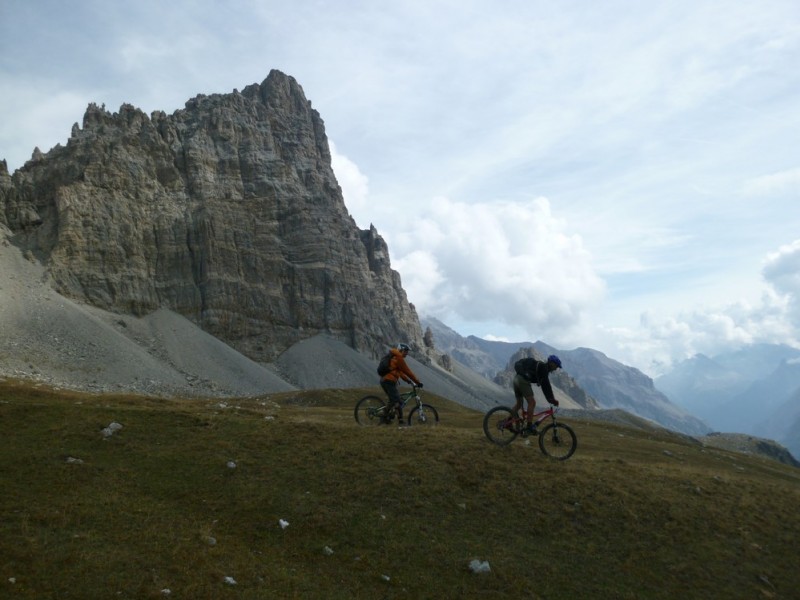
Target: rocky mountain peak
226, 211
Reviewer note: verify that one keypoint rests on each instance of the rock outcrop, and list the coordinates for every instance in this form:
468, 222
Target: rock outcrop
226, 212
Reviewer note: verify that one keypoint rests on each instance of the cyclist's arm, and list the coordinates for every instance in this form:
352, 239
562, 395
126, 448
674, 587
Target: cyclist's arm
547, 390
406, 373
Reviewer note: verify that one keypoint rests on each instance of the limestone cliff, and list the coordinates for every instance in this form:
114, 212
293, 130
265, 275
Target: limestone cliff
227, 212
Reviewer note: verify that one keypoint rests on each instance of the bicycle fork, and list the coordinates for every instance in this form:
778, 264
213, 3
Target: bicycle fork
421, 417
553, 431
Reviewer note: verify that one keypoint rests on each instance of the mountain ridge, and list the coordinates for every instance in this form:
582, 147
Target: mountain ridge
609, 383
226, 212
754, 390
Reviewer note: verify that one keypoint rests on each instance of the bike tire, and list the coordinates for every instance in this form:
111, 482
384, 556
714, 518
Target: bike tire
492, 426
557, 441
427, 416
370, 410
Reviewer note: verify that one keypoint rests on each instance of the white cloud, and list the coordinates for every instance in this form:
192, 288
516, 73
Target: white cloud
661, 339
783, 182
494, 338
509, 262
355, 186
782, 272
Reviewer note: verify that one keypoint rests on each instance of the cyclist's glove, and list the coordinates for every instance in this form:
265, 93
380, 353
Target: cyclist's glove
419, 385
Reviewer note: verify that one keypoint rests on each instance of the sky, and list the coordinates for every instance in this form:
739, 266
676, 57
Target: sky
620, 175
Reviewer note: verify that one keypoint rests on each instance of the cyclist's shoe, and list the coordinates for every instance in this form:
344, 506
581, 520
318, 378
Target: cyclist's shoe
531, 429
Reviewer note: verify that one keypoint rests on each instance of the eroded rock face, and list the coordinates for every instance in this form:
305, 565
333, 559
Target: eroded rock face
227, 212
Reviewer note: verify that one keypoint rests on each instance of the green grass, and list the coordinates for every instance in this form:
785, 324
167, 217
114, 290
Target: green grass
633, 514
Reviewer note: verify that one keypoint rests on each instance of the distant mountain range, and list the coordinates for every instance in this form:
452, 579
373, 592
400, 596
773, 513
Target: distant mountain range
610, 383
755, 390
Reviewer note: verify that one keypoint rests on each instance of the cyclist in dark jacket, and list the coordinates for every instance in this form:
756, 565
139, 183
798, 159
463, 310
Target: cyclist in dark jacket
398, 369
529, 371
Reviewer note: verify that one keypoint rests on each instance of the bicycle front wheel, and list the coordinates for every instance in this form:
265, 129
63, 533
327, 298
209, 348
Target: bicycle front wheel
370, 410
424, 414
557, 441
496, 426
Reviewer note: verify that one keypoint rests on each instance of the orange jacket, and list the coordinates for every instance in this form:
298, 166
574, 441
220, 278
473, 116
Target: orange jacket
398, 369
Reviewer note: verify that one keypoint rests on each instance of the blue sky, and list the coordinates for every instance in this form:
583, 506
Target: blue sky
621, 175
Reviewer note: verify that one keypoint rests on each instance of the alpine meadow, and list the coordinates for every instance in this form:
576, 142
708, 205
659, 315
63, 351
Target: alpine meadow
285, 496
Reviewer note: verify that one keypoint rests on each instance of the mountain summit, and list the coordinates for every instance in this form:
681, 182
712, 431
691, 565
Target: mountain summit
226, 212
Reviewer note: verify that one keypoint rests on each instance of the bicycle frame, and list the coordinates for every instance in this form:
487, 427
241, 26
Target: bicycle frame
556, 440
406, 396
374, 410
537, 417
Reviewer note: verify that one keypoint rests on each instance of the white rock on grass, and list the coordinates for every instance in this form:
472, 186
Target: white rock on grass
111, 429
230, 580
327, 551
477, 566
283, 524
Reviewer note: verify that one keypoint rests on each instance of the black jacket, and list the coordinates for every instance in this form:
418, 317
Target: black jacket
536, 372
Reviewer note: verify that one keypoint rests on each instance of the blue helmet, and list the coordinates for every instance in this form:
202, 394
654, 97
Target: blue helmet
555, 360
403, 348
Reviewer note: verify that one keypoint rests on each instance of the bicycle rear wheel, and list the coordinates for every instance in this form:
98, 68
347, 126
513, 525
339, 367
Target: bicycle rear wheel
424, 415
557, 441
370, 410
495, 426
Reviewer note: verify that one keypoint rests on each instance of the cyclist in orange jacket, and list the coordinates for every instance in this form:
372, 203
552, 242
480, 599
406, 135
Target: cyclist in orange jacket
398, 369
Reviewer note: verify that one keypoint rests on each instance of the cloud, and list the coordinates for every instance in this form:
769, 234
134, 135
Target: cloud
774, 184
782, 272
782, 269
509, 262
354, 184
774, 318
494, 338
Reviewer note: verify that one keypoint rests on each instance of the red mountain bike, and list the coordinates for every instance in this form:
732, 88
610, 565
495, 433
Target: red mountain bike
556, 440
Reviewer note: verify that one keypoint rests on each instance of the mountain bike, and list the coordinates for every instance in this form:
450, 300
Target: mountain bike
374, 410
556, 440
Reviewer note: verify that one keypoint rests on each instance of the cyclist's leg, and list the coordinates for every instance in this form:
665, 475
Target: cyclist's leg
518, 395
523, 389
531, 407
399, 409
393, 394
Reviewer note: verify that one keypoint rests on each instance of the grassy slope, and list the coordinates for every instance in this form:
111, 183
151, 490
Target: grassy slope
632, 515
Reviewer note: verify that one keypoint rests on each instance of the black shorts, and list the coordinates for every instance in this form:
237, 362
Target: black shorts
392, 391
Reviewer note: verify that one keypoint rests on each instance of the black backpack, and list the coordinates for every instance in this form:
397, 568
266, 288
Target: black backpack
527, 368
385, 365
